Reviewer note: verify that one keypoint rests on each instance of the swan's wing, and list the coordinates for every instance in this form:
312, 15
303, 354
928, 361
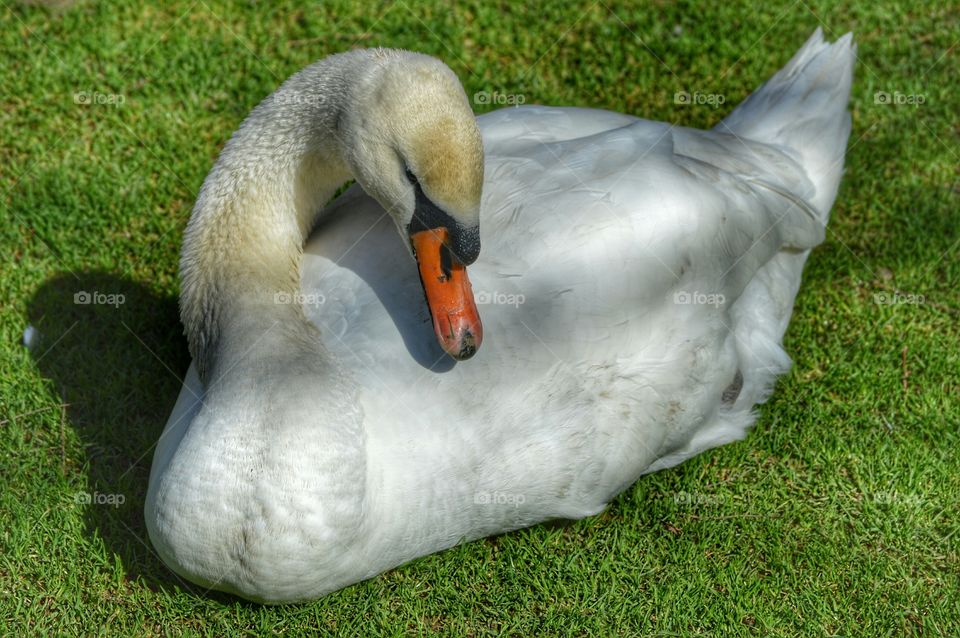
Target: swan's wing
678, 207
512, 131
763, 167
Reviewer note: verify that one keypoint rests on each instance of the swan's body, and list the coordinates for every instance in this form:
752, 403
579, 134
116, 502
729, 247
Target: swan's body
309, 462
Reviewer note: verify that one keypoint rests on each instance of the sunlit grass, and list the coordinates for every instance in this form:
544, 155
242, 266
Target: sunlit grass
838, 515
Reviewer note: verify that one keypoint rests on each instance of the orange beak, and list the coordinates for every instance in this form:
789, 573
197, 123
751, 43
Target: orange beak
449, 295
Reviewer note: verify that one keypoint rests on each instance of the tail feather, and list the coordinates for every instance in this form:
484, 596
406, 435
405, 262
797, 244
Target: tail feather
803, 108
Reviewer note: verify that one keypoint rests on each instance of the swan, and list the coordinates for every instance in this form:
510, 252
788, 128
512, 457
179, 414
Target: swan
625, 313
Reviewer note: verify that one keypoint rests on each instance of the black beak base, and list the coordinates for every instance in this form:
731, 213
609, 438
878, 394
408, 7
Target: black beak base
464, 240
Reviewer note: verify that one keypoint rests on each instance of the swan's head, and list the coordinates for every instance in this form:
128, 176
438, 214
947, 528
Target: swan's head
412, 142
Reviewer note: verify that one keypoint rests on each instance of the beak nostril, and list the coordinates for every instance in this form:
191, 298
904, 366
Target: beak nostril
446, 261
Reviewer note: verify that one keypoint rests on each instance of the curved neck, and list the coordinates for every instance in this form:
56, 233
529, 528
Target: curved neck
240, 265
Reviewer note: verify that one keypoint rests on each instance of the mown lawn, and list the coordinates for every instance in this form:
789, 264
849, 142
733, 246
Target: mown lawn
838, 515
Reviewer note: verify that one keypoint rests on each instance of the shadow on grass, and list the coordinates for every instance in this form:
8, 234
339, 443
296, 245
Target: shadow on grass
117, 361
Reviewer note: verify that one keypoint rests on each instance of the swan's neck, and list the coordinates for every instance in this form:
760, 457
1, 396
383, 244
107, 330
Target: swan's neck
240, 266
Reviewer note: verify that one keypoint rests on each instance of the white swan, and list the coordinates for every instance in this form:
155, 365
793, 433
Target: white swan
638, 278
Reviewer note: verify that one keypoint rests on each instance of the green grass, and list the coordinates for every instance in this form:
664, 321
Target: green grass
838, 515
